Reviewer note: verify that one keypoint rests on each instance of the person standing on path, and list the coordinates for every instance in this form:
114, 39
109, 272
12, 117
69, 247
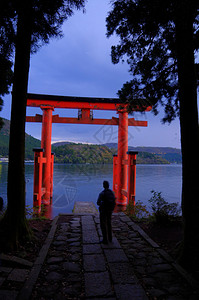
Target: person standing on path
106, 203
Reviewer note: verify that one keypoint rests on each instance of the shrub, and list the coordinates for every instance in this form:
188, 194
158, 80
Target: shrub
139, 211
163, 210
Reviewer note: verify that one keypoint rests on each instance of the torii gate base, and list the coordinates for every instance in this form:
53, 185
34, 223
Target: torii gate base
40, 188
129, 192
124, 164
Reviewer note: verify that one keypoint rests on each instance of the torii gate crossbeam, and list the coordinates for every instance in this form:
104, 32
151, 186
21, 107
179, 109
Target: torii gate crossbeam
43, 157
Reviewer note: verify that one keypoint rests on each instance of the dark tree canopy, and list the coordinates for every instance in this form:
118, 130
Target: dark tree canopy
148, 43
48, 17
6, 48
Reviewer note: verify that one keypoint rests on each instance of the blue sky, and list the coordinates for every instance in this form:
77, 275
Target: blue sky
79, 64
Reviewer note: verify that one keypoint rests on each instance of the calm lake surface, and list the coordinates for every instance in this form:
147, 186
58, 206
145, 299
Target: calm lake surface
84, 182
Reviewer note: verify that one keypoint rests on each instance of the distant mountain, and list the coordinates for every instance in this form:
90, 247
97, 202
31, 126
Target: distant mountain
67, 152
83, 153
57, 144
172, 155
31, 142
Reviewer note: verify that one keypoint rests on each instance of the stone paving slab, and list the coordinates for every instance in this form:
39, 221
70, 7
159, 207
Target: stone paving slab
130, 291
90, 237
97, 284
115, 255
84, 207
92, 249
113, 245
94, 263
122, 273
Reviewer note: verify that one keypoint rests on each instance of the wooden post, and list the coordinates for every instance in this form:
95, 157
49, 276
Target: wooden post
115, 174
37, 187
46, 145
51, 177
131, 177
122, 150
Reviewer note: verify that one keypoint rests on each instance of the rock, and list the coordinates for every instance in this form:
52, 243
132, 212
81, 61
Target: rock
71, 240
75, 257
53, 267
75, 250
54, 276
61, 238
54, 260
158, 268
71, 267
75, 244
149, 281
59, 243
48, 290
74, 278
71, 291
156, 293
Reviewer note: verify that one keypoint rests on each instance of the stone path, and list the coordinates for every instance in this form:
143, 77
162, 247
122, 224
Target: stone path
73, 265
84, 208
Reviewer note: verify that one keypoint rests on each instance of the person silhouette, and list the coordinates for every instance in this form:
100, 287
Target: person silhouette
106, 203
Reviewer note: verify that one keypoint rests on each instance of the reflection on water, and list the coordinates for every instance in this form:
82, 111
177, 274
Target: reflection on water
84, 182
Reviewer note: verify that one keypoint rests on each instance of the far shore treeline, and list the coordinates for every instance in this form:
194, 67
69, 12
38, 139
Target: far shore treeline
73, 153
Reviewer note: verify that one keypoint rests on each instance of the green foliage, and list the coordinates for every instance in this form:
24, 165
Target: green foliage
139, 211
147, 32
32, 212
163, 210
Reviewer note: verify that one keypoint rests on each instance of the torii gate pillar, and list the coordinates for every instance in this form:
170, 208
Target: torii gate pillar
122, 155
46, 145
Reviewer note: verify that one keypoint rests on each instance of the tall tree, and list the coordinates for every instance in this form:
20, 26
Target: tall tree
159, 40
37, 22
6, 47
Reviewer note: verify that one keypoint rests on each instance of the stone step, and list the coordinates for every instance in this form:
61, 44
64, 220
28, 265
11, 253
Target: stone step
84, 208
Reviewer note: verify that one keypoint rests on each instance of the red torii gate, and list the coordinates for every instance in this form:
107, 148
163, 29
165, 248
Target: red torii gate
43, 168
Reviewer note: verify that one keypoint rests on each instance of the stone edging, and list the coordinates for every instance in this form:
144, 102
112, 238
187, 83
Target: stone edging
17, 260
164, 254
26, 291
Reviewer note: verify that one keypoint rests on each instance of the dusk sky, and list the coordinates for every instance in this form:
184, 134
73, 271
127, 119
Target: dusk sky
80, 64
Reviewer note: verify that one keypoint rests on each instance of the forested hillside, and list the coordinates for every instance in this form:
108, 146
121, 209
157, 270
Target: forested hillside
172, 155
84, 153
31, 142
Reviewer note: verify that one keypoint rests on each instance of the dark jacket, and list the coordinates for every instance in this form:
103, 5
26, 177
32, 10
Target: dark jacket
106, 200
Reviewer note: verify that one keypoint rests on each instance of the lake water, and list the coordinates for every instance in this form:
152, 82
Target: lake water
84, 182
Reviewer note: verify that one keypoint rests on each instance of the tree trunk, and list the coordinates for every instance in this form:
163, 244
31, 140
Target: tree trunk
15, 218
189, 133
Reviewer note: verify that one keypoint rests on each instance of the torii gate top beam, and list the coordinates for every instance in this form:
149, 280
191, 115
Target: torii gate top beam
38, 100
